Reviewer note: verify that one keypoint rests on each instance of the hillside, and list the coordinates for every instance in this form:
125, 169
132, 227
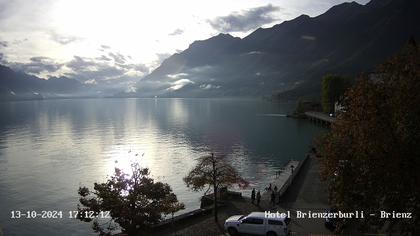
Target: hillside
289, 58
21, 86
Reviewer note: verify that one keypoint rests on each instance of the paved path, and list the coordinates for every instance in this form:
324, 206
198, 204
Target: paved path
307, 193
282, 181
320, 116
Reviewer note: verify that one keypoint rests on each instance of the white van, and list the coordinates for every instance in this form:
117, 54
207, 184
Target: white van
257, 223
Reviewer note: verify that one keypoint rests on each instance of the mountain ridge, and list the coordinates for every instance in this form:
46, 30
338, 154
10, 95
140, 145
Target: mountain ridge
16, 85
348, 38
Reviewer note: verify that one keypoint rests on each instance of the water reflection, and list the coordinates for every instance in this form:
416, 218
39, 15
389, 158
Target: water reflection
49, 148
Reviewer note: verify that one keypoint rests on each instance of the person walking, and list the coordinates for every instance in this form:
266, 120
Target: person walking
253, 195
275, 188
273, 198
258, 197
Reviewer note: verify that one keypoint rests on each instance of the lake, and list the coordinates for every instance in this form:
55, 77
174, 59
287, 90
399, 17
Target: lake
49, 148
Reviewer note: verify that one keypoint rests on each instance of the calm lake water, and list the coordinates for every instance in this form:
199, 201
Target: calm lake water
50, 148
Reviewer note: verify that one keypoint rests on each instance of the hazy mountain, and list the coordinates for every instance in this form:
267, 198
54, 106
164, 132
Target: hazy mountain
290, 57
18, 86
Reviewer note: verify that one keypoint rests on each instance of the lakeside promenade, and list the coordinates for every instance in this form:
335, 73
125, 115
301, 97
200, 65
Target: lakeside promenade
306, 192
320, 117
283, 180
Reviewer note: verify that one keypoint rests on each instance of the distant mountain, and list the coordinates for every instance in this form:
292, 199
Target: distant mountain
289, 58
21, 86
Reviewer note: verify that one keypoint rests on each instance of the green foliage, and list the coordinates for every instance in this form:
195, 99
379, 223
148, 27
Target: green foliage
372, 154
300, 107
135, 201
333, 87
213, 171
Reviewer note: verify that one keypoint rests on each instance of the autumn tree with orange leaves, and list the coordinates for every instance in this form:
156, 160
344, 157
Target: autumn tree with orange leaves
213, 171
371, 157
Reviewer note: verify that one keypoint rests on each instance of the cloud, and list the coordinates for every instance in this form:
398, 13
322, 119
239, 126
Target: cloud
63, 39
103, 58
101, 70
4, 44
160, 58
81, 63
177, 76
252, 53
19, 41
308, 37
118, 57
105, 47
209, 86
137, 67
37, 65
180, 84
91, 81
87, 69
176, 32
245, 20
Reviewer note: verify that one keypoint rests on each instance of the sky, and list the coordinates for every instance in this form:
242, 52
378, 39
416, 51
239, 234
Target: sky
106, 40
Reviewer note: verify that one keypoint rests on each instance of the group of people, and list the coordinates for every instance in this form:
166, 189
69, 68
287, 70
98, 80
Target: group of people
253, 196
274, 192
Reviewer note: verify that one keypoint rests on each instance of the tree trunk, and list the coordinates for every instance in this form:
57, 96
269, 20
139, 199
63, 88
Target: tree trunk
214, 188
215, 203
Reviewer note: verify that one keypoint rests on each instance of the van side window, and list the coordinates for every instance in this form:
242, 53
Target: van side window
259, 221
247, 221
275, 222
255, 221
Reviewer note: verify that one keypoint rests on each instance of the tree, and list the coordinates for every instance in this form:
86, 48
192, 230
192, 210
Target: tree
372, 154
136, 202
333, 87
300, 108
213, 171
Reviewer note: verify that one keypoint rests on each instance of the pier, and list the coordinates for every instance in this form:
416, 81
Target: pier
320, 118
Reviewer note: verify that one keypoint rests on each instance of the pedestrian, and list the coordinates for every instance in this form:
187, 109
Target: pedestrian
275, 188
258, 197
273, 198
269, 187
253, 195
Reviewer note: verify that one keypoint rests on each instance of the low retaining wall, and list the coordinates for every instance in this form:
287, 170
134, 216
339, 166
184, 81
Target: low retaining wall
292, 176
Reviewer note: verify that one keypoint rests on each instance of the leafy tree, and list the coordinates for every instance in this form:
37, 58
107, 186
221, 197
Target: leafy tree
135, 201
372, 154
213, 171
333, 87
300, 109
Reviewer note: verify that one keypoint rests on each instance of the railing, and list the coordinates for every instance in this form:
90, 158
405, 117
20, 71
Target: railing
292, 176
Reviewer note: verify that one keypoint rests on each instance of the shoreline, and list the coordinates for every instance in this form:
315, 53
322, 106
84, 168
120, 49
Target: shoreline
290, 200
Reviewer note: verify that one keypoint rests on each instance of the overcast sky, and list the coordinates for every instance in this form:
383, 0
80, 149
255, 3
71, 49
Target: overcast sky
126, 38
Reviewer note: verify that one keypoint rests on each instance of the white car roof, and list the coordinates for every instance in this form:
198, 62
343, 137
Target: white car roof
262, 215
257, 214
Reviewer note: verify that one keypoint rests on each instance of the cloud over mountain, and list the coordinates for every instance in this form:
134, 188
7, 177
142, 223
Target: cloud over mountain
63, 39
113, 66
245, 20
176, 32
37, 65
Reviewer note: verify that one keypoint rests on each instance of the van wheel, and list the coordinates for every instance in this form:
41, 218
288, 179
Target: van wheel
271, 234
232, 231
